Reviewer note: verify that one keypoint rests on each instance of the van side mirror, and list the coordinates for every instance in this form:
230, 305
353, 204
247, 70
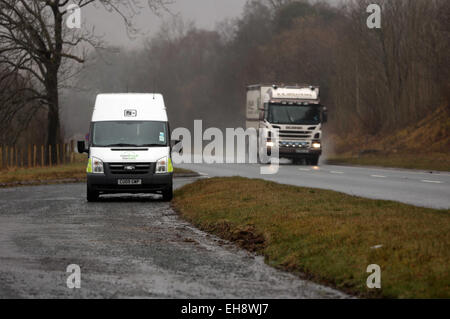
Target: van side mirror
81, 146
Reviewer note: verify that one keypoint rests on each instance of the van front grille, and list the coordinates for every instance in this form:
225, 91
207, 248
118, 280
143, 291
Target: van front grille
130, 168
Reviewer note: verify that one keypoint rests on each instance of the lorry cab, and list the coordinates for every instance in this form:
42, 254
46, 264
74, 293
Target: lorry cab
293, 117
129, 147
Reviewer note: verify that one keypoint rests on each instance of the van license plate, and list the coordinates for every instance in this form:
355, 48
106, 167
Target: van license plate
129, 181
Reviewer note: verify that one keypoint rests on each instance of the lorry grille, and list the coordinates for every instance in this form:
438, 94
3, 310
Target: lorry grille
130, 168
295, 134
294, 144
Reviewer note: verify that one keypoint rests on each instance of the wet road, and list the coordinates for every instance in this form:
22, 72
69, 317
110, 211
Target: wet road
416, 187
127, 247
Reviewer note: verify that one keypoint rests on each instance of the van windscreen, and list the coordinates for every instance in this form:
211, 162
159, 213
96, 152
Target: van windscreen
129, 133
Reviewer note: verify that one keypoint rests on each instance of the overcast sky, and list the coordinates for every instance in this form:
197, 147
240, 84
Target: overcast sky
205, 14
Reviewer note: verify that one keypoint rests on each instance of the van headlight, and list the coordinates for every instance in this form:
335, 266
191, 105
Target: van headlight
95, 166
164, 165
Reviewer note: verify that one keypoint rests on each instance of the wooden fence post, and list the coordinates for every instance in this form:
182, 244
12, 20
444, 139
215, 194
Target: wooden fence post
63, 152
15, 156
42, 155
50, 156
7, 157
29, 156
22, 158
72, 151
1, 157
34, 155
57, 154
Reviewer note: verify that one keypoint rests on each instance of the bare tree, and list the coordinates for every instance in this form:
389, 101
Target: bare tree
276, 4
15, 105
35, 43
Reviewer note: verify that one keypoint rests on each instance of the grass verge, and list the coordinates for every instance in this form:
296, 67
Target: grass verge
437, 162
71, 171
327, 236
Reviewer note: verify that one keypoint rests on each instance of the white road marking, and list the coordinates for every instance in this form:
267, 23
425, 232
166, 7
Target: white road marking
202, 174
378, 176
304, 169
435, 182
336, 172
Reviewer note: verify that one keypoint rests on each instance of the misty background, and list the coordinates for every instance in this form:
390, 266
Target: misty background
201, 55
118, 67
124, 51
205, 13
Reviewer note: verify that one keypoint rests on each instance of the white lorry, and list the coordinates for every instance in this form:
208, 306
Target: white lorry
129, 146
294, 114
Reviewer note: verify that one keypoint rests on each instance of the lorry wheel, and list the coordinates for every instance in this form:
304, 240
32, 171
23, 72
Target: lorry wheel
314, 161
92, 196
167, 195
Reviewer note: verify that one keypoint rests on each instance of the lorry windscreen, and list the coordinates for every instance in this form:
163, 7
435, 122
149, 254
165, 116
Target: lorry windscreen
294, 114
129, 133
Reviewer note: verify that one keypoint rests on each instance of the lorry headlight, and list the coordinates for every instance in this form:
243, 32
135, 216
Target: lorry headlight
164, 165
316, 145
270, 144
95, 166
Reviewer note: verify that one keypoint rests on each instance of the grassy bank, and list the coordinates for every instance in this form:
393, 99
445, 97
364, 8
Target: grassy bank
423, 145
327, 236
437, 161
71, 171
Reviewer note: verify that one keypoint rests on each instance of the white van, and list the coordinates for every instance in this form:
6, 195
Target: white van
129, 146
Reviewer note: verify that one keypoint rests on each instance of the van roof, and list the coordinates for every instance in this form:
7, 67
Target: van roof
129, 107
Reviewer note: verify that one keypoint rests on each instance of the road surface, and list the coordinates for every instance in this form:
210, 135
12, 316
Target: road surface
126, 247
420, 188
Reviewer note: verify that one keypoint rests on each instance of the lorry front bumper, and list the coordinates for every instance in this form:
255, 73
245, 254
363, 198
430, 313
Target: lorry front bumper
295, 152
109, 183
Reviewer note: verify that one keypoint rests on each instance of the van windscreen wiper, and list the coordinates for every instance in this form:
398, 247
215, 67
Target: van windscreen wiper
121, 145
151, 145
135, 145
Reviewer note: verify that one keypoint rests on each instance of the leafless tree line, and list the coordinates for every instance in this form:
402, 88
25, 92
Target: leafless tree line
373, 80
37, 52
396, 75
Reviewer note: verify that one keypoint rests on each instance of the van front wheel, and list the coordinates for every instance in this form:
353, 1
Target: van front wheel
92, 195
167, 194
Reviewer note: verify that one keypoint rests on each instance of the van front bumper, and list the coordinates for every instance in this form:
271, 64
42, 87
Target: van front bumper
109, 183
